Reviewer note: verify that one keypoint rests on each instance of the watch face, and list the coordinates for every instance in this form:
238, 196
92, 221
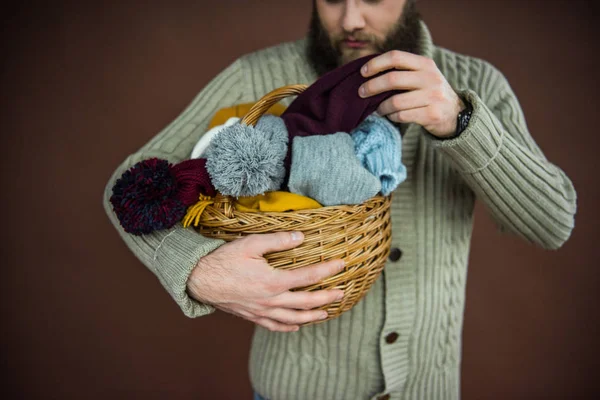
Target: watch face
463, 119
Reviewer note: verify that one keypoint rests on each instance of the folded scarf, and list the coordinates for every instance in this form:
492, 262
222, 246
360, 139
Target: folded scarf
378, 146
275, 202
326, 169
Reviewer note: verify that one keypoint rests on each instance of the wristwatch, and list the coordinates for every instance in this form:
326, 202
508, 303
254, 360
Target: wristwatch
462, 121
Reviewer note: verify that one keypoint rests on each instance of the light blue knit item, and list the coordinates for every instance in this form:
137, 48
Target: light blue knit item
325, 168
378, 146
247, 161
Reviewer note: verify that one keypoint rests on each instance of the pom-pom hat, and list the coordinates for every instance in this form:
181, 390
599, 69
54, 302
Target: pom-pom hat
154, 194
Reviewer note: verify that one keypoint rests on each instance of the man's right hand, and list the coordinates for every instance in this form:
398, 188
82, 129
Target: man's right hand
237, 279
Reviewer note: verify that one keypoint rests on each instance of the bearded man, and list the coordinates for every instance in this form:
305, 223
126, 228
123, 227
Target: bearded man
464, 137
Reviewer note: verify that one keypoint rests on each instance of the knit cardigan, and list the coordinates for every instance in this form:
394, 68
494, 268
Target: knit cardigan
403, 339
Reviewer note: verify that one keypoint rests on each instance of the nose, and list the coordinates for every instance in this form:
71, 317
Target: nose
353, 18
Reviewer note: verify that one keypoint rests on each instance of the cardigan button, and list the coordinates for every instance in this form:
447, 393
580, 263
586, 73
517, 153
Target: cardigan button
391, 337
395, 254
384, 397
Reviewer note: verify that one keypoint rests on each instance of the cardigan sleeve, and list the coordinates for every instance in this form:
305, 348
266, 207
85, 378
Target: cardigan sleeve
172, 254
500, 161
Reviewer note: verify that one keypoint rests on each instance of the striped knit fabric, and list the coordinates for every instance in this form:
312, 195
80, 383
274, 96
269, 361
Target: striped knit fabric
421, 296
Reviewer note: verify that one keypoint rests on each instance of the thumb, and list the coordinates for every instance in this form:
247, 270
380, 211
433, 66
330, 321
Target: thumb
261, 244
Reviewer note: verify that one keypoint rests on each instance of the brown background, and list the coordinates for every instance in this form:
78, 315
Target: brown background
84, 84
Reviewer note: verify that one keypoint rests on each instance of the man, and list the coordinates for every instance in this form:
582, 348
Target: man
464, 137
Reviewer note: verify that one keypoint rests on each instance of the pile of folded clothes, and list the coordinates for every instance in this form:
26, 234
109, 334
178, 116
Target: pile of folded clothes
328, 148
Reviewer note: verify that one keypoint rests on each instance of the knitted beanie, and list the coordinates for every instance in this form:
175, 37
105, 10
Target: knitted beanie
154, 194
378, 146
326, 169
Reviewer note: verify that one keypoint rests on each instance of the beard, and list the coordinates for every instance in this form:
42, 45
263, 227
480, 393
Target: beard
325, 52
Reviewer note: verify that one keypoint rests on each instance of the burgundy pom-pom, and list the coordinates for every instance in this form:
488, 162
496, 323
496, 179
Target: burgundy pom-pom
145, 198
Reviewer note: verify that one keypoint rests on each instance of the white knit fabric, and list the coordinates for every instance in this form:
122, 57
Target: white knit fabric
205, 139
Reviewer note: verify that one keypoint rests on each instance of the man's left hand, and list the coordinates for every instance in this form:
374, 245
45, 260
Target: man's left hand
429, 99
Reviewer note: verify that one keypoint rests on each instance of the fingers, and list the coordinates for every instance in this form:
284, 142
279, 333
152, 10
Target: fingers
287, 320
312, 274
295, 317
277, 319
395, 59
306, 300
270, 242
415, 115
394, 80
274, 325
285, 312
403, 101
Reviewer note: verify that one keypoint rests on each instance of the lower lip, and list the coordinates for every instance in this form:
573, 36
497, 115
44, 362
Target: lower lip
355, 45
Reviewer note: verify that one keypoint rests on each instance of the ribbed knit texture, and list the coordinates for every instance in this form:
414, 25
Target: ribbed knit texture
378, 146
421, 297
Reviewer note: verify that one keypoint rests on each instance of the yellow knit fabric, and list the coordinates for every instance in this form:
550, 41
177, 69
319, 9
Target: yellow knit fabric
240, 111
275, 202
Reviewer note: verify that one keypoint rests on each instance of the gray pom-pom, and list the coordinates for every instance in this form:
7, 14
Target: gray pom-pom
247, 161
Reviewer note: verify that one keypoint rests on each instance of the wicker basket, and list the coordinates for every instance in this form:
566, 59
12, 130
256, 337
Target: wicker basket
359, 234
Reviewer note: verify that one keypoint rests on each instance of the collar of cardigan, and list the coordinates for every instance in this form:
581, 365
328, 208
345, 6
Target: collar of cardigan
425, 41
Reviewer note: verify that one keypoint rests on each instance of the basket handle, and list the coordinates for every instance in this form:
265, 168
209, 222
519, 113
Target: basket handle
224, 203
268, 100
